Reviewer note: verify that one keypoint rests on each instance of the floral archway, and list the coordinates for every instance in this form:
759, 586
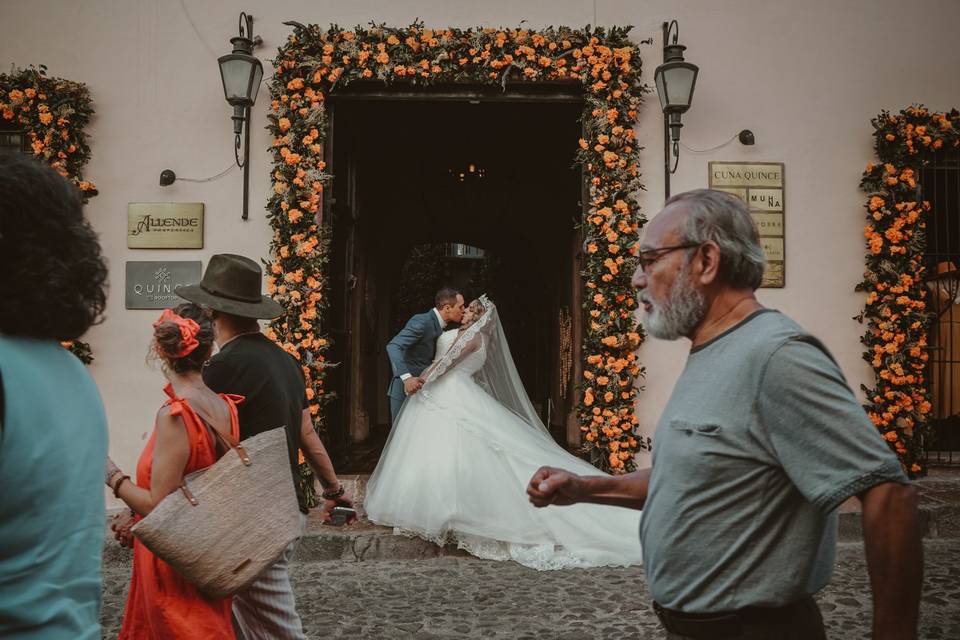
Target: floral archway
315, 62
896, 312
52, 113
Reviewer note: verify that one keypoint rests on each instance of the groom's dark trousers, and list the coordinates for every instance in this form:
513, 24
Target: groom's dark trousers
410, 352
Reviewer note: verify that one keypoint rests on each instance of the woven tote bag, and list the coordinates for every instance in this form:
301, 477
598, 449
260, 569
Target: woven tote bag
230, 521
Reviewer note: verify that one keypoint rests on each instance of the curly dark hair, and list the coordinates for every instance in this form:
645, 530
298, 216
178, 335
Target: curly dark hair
168, 341
50, 257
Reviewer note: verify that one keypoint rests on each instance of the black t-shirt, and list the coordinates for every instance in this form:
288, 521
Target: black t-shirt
272, 384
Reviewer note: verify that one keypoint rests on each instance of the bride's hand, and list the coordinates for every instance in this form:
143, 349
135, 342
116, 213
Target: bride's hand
554, 486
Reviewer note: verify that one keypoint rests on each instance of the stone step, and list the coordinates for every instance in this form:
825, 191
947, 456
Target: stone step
365, 541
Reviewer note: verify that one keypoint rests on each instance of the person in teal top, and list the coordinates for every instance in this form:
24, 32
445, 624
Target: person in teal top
53, 430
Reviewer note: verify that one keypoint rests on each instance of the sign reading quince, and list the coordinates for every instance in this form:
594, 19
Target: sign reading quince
153, 285
165, 225
760, 185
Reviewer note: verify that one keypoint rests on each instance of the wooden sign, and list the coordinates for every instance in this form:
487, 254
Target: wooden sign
760, 185
165, 225
153, 284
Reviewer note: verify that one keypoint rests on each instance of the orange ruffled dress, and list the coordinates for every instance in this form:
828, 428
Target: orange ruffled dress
163, 605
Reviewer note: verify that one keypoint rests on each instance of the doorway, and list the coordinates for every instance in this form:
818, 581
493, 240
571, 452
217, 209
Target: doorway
463, 190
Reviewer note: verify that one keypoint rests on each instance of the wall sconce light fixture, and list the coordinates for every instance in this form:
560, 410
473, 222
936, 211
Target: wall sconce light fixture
241, 73
675, 80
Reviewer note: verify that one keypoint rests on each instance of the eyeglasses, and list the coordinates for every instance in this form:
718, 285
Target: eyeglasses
648, 257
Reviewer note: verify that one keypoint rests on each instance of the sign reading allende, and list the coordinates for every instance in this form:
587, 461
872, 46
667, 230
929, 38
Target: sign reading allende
153, 285
760, 185
165, 225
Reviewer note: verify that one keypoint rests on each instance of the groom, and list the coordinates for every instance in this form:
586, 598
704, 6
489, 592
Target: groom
413, 349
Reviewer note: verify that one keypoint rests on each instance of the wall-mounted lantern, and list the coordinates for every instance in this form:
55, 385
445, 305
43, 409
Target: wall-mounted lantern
675, 80
241, 73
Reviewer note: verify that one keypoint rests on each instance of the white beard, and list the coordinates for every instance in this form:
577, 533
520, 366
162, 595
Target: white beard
680, 314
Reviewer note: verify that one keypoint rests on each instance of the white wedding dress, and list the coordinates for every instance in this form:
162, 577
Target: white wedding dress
460, 455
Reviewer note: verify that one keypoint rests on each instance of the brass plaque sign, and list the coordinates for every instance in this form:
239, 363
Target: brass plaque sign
153, 284
165, 225
760, 185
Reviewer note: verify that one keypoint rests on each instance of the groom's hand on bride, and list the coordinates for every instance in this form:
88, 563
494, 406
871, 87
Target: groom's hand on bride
554, 486
412, 384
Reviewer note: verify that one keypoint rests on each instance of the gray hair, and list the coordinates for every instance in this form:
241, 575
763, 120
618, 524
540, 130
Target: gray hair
722, 218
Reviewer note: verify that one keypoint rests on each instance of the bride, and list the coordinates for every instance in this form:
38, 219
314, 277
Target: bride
456, 465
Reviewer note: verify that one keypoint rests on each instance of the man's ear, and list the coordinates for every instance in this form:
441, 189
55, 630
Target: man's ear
708, 261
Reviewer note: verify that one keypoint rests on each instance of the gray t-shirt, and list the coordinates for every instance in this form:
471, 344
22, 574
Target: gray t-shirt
760, 442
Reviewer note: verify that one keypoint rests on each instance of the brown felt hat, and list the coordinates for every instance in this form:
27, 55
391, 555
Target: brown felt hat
231, 284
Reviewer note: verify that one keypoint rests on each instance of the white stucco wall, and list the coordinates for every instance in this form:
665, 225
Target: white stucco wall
806, 77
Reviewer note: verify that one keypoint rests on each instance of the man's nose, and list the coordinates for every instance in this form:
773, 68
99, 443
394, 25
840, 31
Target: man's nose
639, 279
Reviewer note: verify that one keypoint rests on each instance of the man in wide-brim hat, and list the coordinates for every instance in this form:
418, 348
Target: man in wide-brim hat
231, 285
271, 381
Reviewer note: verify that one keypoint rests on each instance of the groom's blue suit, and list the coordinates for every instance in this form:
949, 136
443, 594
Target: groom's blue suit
410, 352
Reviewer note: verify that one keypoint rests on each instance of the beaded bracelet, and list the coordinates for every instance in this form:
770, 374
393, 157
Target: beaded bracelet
116, 486
332, 495
113, 474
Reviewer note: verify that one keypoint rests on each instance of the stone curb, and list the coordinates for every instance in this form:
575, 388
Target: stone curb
367, 542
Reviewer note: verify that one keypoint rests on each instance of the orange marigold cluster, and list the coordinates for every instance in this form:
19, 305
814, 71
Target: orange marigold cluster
315, 61
895, 309
52, 113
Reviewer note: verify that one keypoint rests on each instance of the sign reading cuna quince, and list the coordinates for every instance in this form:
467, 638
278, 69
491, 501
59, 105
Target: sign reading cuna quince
165, 225
760, 185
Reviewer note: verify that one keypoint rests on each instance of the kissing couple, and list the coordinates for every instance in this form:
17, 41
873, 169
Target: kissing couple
464, 442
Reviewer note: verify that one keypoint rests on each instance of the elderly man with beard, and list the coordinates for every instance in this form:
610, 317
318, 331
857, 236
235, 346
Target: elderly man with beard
761, 440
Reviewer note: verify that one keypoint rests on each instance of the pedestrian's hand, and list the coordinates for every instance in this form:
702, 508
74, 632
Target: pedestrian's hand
554, 486
342, 501
121, 524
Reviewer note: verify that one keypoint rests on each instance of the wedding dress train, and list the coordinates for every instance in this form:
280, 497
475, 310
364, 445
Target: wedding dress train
459, 457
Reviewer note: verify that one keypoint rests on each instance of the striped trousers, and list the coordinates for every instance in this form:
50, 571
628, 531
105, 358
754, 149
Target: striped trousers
266, 610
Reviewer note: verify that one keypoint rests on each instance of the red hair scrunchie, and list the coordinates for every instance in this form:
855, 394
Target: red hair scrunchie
188, 332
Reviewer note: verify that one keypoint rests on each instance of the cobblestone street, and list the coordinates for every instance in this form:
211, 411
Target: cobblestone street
466, 598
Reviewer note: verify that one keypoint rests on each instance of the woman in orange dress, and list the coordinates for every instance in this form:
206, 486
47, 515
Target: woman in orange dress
163, 605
